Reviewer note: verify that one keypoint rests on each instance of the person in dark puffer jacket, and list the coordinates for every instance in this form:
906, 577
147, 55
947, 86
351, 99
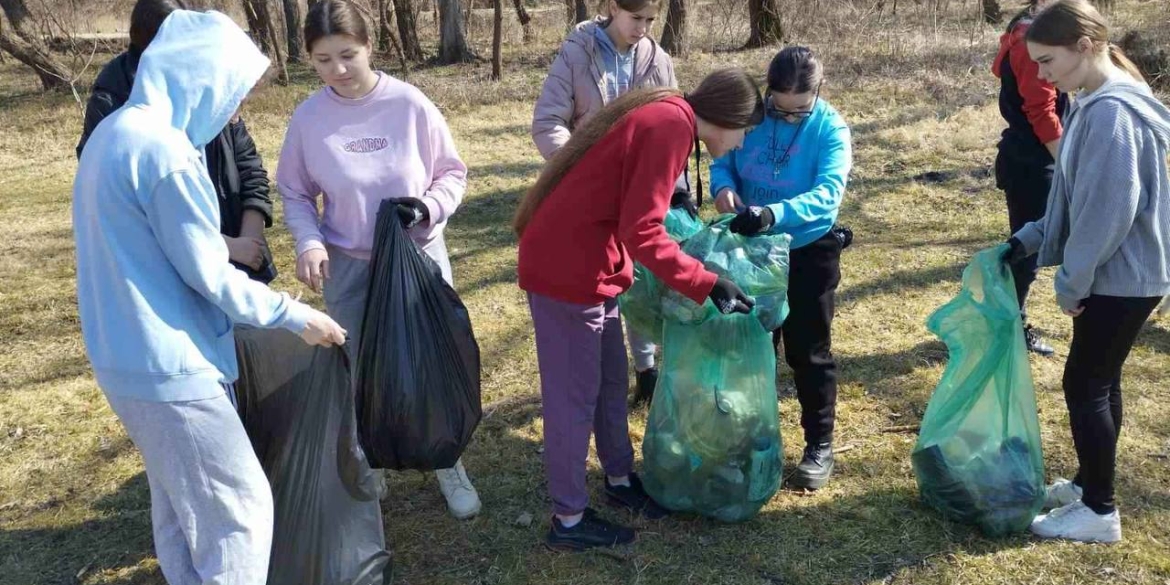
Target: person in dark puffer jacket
233, 163
1033, 110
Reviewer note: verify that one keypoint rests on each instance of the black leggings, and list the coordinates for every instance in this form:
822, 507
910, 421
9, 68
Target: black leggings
1102, 338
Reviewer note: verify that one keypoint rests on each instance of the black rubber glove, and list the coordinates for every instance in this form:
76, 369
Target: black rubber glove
754, 221
411, 211
729, 298
1015, 253
684, 200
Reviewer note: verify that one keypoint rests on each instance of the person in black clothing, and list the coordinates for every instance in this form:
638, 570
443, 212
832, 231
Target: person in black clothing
1033, 109
233, 164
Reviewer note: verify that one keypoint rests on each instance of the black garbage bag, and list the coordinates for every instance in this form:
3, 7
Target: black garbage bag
417, 374
297, 405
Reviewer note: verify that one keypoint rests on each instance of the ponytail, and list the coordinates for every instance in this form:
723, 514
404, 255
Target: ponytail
1120, 60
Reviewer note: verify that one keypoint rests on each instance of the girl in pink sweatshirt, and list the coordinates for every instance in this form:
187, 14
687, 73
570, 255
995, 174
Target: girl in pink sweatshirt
362, 139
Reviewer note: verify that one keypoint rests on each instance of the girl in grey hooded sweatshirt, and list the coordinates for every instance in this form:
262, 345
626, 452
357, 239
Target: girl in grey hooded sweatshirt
1107, 228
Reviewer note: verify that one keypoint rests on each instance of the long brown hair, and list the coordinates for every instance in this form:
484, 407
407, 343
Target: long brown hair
334, 17
1065, 22
728, 98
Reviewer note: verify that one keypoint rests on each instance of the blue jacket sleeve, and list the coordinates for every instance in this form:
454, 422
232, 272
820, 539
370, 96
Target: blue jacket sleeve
724, 174
182, 210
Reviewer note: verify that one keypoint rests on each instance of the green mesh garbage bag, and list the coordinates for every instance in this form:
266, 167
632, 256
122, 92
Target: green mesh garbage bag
712, 443
641, 305
978, 457
758, 264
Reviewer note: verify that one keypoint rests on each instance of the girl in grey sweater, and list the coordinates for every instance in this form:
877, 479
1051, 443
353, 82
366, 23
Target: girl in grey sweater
1108, 229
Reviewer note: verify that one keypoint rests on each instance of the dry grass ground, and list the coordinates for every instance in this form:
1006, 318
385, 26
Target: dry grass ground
74, 506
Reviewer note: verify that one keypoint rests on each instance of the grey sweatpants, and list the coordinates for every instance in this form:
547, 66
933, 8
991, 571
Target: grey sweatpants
641, 349
210, 502
349, 282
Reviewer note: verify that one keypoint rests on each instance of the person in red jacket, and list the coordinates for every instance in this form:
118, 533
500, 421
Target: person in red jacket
1033, 109
598, 207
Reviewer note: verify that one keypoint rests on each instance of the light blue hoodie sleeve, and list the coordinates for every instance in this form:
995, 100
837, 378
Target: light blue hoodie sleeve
724, 174
179, 212
835, 161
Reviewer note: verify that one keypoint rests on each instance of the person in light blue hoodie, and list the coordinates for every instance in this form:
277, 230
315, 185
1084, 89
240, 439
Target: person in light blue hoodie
158, 299
790, 177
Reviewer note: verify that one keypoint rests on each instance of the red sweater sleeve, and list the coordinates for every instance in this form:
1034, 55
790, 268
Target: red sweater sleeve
1039, 95
658, 152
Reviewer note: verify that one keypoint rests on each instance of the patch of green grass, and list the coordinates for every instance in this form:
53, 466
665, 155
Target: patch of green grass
74, 506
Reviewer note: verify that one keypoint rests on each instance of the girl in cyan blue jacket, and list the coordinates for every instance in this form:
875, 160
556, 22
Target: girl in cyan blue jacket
790, 177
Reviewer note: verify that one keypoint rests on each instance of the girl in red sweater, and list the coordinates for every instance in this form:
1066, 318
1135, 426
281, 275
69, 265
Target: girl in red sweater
598, 207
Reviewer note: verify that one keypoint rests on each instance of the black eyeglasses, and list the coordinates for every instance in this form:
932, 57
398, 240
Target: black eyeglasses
775, 112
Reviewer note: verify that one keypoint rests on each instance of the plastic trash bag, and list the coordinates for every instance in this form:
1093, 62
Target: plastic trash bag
712, 443
641, 305
417, 374
297, 405
758, 264
978, 458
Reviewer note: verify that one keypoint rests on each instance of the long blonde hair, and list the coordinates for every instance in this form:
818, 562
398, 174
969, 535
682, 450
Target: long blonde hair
728, 98
1065, 22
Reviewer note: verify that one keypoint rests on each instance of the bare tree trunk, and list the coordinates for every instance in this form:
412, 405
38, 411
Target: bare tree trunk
992, 13
674, 34
468, 5
387, 36
292, 25
27, 49
766, 27
17, 12
264, 30
576, 11
407, 30
383, 27
525, 20
497, 39
452, 34
256, 13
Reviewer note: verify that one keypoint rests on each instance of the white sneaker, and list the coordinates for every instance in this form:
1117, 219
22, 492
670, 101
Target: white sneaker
1062, 492
1076, 521
462, 499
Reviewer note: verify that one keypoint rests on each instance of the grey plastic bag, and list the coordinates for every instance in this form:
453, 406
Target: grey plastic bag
297, 404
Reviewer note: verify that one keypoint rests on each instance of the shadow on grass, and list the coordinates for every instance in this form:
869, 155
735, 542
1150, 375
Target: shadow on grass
842, 535
1156, 336
837, 539
900, 281
874, 370
119, 538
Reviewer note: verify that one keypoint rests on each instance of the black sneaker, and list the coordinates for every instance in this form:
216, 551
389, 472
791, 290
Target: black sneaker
815, 469
591, 532
634, 498
1036, 344
644, 391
